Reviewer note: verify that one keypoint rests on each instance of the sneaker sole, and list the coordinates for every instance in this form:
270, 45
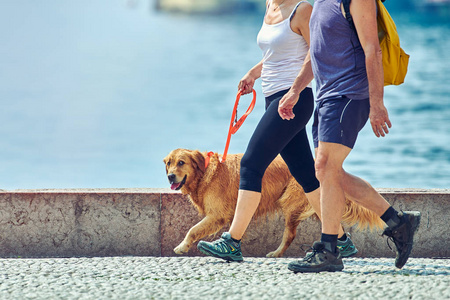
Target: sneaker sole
414, 227
329, 268
227, 258
347, 255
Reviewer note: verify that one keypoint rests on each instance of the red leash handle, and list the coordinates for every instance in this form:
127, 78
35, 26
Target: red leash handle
235, 126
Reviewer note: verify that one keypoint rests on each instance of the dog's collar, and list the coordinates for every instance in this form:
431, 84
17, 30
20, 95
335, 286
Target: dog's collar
208, 157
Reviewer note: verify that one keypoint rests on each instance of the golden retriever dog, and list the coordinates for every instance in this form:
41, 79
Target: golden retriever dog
213, 190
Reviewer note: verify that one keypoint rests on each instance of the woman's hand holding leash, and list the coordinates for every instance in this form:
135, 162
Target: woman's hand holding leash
246, 84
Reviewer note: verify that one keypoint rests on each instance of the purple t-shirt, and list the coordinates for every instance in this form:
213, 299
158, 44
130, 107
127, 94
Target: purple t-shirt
337, 58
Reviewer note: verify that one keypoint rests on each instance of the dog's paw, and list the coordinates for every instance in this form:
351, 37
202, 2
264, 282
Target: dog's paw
181, 248
274, 254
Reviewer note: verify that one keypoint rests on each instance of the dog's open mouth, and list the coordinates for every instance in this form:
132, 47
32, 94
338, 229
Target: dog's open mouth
178, 185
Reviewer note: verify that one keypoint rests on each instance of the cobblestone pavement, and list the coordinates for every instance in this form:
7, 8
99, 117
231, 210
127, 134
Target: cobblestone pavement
209, 278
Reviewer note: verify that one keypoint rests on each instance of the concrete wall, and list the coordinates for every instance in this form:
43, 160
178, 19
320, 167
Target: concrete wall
151, 222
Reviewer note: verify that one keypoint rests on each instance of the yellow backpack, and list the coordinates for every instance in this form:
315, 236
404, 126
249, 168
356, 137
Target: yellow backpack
395, 60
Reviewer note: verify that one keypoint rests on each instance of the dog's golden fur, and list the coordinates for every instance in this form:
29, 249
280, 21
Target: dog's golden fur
214, 191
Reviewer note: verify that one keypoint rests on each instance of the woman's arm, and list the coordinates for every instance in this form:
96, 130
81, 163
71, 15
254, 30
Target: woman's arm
300, 25
245, 86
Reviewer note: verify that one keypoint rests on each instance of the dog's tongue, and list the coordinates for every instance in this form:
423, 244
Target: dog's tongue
175, 185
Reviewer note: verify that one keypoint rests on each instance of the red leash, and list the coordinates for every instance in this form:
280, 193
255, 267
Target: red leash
208, 158
235, 124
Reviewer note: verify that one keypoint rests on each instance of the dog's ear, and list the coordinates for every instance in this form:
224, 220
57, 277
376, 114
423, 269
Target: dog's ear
198, 160
165, 160
169, 156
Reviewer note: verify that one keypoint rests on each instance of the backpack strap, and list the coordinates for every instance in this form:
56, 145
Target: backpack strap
348, 16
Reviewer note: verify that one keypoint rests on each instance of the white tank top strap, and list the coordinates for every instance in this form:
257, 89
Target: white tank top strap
295, 9
267, 7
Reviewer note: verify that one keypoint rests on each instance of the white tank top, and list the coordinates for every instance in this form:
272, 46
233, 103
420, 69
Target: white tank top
283, 54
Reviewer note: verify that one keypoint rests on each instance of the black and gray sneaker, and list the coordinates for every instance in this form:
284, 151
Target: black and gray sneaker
319, 260
402, 235
224, 248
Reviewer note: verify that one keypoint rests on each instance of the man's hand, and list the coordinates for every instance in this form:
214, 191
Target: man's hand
379, 120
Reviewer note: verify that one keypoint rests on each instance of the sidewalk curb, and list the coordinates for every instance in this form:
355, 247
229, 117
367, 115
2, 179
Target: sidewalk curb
151, 222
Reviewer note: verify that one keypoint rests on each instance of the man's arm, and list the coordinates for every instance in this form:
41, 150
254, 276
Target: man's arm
364, 15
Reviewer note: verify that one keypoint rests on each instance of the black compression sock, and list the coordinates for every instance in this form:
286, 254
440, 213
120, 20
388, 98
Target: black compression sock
236, 241
330, 242
343, 238
390, 217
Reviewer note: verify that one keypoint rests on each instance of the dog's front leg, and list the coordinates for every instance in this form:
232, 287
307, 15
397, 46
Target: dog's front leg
207, 226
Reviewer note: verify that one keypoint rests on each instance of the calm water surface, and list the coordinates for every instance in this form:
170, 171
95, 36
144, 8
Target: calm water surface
94, 94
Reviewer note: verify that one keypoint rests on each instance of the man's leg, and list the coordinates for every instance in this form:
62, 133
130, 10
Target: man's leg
314, 200
329, 171
361, 192
325, 255
344, 243
401, 227
297, 155
329, 160
337, 122
335, 183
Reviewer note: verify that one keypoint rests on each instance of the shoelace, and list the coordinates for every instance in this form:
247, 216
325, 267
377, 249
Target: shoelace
389, 233
219, 241
397, 242
309, 255
222, 245
305, 245
390, 238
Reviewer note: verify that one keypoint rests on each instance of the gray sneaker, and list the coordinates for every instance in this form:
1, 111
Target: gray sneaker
346, 248
403, 235
224, 248
319, 260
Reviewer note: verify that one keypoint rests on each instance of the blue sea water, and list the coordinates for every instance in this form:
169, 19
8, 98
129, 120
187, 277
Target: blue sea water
94, 94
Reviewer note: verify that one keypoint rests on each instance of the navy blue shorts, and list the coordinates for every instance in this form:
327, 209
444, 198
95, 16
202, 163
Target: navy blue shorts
339, 120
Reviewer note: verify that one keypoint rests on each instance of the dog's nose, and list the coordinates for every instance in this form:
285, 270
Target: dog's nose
171, 177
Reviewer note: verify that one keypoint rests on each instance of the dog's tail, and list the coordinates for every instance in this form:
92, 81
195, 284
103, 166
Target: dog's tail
363, 218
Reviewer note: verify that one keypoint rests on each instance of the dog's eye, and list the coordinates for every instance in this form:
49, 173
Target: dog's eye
168, 163
180, 163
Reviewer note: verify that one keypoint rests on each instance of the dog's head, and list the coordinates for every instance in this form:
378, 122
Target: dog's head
184, 167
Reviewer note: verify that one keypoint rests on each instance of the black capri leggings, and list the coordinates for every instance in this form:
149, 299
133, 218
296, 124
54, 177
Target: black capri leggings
274, 136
